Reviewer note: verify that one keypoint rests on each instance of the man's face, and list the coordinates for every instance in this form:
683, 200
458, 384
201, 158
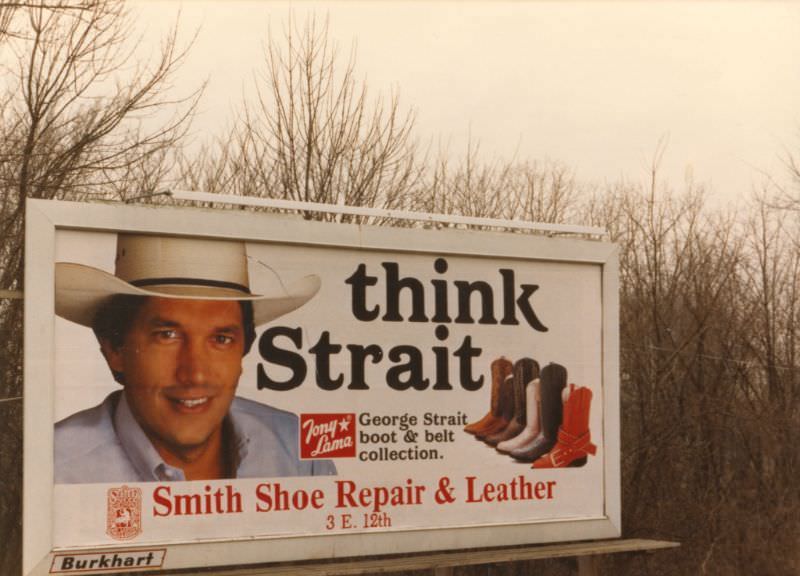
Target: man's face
181, 361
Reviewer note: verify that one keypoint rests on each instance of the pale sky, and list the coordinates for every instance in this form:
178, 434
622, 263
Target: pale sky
595, 85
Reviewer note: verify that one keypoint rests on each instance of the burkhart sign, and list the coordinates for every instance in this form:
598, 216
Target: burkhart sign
216, 388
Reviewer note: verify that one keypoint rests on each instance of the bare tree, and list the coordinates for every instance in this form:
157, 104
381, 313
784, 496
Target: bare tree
313, 133
508, 189
709, 305
769, 391
709, 316
6, 15
76, 123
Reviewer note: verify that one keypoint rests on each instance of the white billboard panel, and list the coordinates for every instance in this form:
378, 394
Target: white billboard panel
216, 388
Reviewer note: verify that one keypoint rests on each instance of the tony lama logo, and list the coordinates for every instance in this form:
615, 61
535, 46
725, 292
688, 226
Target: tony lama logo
124, 513
327, 436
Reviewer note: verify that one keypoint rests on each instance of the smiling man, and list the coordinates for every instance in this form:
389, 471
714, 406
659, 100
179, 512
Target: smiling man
174, 322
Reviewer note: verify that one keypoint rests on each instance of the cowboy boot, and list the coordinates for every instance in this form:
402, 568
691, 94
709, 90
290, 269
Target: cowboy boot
574, 440
533, 403
553, 381
500, 369
525, 370
506, 411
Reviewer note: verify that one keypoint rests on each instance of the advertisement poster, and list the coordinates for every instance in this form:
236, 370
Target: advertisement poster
210, 389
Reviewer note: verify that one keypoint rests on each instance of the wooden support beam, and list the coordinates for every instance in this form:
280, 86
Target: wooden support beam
588, 566
443, 563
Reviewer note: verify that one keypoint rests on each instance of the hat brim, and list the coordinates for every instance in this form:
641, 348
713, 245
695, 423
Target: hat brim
80, 290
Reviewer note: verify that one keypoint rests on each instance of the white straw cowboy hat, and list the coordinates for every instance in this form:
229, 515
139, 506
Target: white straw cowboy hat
173, 267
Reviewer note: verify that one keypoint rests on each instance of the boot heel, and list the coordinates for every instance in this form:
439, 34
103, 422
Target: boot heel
578, 462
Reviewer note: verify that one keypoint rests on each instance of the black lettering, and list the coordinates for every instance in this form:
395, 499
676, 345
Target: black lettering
323, 350
358, 357
525, 307
465, 291
510, 304
509, 309
359, 281
275, 355
465, 354
440, 293
442, 361
413, 367
394, 284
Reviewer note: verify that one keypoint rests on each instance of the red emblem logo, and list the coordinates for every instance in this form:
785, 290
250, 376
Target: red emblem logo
327, 436
124, 513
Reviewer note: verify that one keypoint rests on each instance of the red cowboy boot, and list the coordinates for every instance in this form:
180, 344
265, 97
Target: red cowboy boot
574, 440
501, 368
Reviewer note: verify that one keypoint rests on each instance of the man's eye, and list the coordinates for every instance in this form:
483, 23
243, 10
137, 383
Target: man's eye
223, 339
166, 335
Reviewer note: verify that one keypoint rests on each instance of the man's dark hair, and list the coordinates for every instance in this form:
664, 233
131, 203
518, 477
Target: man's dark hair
115, 317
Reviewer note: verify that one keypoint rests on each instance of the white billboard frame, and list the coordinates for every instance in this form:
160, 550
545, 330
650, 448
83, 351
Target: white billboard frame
45, 218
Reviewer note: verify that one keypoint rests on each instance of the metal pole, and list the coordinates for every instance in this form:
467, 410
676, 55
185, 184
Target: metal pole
385, 213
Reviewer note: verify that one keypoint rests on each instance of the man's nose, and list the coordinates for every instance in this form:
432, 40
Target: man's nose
193, 363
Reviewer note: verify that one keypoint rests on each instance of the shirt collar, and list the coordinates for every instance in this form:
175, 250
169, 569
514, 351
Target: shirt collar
144, 457
238, 439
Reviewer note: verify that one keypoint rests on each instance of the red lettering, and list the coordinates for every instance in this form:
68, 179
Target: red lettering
344, 493
377, 497
263, 495
164, 501
279, 499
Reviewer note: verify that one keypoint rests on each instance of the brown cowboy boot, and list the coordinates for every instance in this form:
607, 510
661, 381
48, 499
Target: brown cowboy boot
506, 411
525, 370
500, 369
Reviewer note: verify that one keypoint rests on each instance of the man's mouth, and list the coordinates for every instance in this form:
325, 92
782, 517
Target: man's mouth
194, 402
190, 404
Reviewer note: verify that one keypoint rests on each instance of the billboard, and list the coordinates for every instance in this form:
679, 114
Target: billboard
216, 388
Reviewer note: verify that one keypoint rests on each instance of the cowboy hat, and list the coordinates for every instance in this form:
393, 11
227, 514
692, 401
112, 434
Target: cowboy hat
173, 267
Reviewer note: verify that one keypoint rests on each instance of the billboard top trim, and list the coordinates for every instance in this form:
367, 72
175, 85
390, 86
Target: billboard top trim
385, 213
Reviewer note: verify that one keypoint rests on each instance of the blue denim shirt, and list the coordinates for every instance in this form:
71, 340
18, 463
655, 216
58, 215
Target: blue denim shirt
106, 444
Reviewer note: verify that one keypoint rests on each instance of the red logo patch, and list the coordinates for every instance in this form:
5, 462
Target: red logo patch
124, 513
327, 436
